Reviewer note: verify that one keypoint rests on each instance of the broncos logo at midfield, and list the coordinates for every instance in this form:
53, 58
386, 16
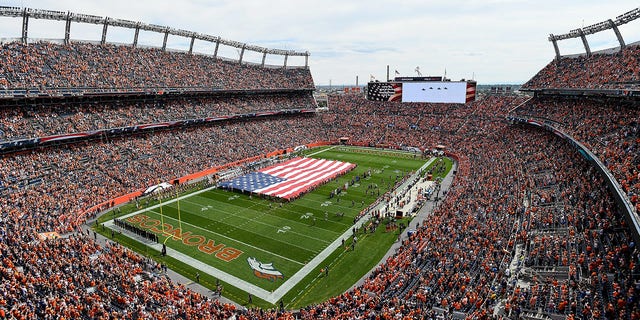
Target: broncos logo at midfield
264, 270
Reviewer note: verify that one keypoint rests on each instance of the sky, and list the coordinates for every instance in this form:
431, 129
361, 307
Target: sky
490, 41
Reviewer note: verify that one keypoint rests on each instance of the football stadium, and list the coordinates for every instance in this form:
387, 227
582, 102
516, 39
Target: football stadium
148, 182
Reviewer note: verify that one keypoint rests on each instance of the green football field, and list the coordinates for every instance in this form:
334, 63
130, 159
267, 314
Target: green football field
264, 246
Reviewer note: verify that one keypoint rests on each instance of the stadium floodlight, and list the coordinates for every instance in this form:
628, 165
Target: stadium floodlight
554, 41
87, 18
123, 23
232, 43
584, 42
242, 53
166, 36
156, 28
253, 48
595, 28
206, 37
136, 33
215, 51
193, 39
47, 14
264, 57
628, 16
182, 33
11, 12
67, 28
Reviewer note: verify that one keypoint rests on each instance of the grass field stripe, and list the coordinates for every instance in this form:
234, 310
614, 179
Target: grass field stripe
283, 209
358, 150
294, 220
262, 213
263, 223
303, 293
234, 240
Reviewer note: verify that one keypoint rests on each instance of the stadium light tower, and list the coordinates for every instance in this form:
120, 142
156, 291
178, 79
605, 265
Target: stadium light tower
595, 28
27, 13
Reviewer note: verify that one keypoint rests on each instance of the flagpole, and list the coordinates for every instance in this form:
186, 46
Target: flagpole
179, 219
161, 214
387, 73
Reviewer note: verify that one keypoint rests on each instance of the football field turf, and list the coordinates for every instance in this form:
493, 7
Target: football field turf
263, 246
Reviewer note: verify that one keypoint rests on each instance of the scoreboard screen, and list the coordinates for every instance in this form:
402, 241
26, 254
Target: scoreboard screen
423, 91
436, 91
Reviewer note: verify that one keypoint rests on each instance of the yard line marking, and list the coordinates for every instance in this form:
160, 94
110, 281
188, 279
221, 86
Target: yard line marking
248, 220
321, 151
287, 211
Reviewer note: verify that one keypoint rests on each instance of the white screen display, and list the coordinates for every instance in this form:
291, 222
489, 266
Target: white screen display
436, 92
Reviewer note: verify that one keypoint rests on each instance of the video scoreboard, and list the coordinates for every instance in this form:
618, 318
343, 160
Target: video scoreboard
422, 89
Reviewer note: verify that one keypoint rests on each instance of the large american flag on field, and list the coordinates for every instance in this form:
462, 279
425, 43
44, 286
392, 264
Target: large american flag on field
289, 179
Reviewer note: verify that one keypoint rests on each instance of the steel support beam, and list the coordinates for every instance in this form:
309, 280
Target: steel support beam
618, 35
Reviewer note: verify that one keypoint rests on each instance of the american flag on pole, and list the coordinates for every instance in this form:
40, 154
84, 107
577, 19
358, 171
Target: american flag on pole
291, 178
471, 92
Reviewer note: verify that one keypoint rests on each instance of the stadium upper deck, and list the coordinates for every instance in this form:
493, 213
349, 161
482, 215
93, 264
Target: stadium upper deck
87, 68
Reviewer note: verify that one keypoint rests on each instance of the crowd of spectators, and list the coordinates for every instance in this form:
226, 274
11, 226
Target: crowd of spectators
608, 70
455, 263
49, 183
387, 123
32, 121
610, 129
576, 243
458, 260
526, 227
74, 278
48, 67
562, 240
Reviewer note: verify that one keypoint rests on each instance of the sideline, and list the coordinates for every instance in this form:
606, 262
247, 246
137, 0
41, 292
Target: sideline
321, 151
422, 216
